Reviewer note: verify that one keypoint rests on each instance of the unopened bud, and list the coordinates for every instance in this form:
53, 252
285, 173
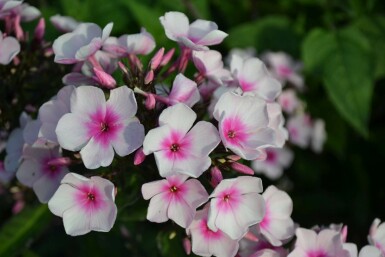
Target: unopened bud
241, 168
104, 78
167, 57
234, 157
158, 57
40, 30
187, 245
149, 77
216, 176
139, 156
150, 102
61, 161
123, 68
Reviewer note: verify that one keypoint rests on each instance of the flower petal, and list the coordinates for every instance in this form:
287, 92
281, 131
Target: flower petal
179, 117
72, 132
95, 155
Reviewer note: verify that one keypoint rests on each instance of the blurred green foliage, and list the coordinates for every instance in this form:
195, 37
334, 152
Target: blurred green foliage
341, 43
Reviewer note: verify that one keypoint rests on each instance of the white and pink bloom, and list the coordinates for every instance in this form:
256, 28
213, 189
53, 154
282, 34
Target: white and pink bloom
284, 68
324, 244
277, 226
140, 43
243, 124
9, 48
97, 127
236, 205
277, 159
86, 204
174, 198
178, 146
210, 65
253, 78
289, 101
39, 171
207, 242
300, 129
80, 44
196, 36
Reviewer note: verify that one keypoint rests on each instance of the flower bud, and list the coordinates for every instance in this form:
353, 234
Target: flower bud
104, 78
139, 156
241, 168
156, 60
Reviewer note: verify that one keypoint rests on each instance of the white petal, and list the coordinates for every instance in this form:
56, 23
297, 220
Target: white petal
195, 194
62, 200
165, 166
122, 101
76, 221
176, 24
180, 212
9, 48
130, 139
72, 132
86, 100
95, 155
192, 166
204, 137
153, 188
29, 171
370, 251
153, 140
179, 117
306, 239
46, 185
157, 209
103, 220
184, 91
250, 210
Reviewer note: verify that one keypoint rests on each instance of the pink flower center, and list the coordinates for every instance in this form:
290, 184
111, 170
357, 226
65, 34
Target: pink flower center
207, 232
173, 189
174, 147
89, 198
317, 253
229, 200
284, 71
271, 157
50, 169
104, 127
234, 130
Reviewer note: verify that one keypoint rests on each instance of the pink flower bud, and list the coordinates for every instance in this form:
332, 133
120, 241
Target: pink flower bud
61, 161
40, 30
250, 236
122, 67
149, 77
135, 61
187, 245
150, 102
241, 168
104, 78
156, 60
18, 29
216, 176
139, 156
344, 233
167, 57
18, 207
234, 157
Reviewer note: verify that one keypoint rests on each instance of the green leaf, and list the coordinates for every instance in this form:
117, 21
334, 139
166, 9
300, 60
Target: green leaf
374, 30
343, 60
23, 228
271, 33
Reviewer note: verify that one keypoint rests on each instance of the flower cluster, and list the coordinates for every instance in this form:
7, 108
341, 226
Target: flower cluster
203, 122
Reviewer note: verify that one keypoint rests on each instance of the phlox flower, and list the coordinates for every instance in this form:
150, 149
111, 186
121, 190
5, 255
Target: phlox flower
277, 159
236, 205
6, 6
243, 53
9, 48
207, 242
300, 129
210, 65
97, 127
86, 204
174, 198
370, 251
140, 43
80, 44
289, 101
243, 124
326, 243
25, 11
197, 35
258, 246
178, 146
254, 78
284, 68
277, 226
37, 172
